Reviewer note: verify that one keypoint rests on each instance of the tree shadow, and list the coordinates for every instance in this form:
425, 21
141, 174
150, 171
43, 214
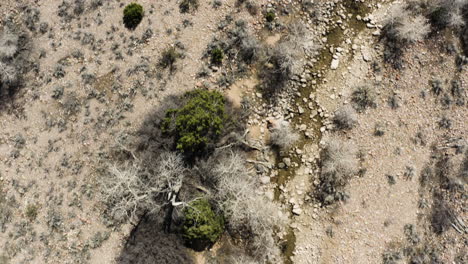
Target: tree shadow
149, 244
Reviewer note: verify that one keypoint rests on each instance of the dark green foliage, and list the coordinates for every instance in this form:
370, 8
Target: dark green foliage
217, 56
363, 97
197, 123
201, 226
270, 16
168, 58
133, 14
187, 6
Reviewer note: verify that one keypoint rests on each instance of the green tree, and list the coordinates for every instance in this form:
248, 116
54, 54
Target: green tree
133, 14
201, 226
199, 122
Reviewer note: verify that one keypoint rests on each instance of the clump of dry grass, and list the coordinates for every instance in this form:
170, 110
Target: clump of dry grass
345, 117
338, 163
283, 136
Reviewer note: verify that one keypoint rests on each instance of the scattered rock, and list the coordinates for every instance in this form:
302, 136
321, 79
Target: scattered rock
334, 64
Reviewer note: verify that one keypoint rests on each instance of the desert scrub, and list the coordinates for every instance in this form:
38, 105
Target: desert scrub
31, 211
338, 163
270, 16
197, 123
283, 136
133, 14
187, 6
169, 58
345, 117
363, 97
217, 56
201, 226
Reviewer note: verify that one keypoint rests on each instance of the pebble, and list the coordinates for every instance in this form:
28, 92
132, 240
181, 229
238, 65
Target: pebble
334, 64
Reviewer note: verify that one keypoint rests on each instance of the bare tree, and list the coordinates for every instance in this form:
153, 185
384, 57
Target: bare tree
283, 136
131, 190
248, 214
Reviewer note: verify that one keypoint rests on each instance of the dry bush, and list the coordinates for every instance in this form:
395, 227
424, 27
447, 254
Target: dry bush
338, 163
283, 136
8, 45
248, 215
132, 190
285, 60
400, 29
345, 117
412, 29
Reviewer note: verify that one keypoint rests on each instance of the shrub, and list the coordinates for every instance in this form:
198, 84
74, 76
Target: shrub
248, 215
8, 45
400, 29
345, 117
252, 8
283, 136
270, 16
217, 56
168, 58
201, 225
363, 97
188, 6
133, 14
412, 29
440, 216
338, 164
277, 69
197, 123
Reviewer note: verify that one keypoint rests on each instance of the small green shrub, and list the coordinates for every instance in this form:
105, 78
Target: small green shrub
133, 14
217, 56
31, 211
168, 58
199, 122
201, 226
270, 16
187, 6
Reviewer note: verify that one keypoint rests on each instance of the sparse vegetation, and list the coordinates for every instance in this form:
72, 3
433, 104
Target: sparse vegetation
283, 136
338, 163
132, 15
187, 6
169, 58
363, 97
345, 117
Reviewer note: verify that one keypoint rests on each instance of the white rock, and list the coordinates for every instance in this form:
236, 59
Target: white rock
265, 179
297, 211
334, 64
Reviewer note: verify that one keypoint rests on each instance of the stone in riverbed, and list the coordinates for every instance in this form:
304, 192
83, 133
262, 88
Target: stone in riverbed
334, 64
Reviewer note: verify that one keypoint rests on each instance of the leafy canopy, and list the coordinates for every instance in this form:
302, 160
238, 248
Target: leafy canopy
198, 122
133, 14
201, 225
